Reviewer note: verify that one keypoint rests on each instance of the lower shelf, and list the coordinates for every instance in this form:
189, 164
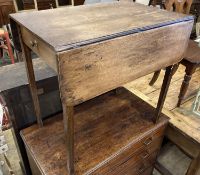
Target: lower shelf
114, 134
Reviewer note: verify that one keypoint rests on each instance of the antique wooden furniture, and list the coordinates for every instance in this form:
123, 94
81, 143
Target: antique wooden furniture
191, 59
183, 131
41, 4
6, 7
195, 8
34, 6
44, 4
94, 51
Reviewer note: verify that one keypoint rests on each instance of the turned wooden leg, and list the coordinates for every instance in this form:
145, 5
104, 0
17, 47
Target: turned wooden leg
154, 78
188, 75
194, 168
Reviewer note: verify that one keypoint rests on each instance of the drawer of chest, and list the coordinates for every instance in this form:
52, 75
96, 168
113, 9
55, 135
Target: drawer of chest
135, 167
136, 152
39, 47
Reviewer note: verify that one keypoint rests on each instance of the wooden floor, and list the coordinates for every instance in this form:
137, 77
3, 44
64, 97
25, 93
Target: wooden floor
182, 117
152, 92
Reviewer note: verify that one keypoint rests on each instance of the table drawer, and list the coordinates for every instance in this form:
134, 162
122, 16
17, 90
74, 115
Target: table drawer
135, 152
39, 47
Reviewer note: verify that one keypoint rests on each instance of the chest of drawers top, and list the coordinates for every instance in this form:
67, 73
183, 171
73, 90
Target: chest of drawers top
71, 27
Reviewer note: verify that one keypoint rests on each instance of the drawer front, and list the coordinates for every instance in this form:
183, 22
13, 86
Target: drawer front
136, 152
40, 48
135, 168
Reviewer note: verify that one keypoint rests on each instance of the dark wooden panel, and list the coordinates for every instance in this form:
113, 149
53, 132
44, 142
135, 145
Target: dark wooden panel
105, 127
6, 8
195, 8
44, 4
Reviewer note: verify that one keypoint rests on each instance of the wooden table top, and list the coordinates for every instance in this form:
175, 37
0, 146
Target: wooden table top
71, 27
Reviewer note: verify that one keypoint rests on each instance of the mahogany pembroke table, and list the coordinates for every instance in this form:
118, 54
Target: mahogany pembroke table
95, 49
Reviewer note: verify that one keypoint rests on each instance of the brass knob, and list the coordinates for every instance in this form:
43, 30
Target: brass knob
34, 43
148, 141
142, 168
145, 155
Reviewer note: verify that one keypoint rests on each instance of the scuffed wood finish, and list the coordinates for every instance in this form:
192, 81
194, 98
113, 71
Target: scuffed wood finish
68, 119
95, 49
40, 48
32, 83
163, 92
72, 27
113, 134
94, 69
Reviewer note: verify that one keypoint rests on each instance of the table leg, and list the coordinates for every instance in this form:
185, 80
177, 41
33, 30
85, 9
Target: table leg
32, 83
194, 168
185, 84
165, 86
26, 51
154, 78
68, 119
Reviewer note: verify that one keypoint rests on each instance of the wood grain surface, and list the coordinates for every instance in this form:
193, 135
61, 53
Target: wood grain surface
94, 69
71, 27
106, 129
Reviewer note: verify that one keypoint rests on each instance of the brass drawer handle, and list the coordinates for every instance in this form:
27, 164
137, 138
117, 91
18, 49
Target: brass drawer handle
142, 168
145, 155
34, 43
148, 141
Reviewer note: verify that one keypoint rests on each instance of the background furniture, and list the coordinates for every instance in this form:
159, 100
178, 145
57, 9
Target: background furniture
191, 61
19, 8
195, 8
191, 58
45, 4
6, 7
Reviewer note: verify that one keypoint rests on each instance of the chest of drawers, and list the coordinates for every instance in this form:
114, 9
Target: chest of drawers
113, 135
94, 50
